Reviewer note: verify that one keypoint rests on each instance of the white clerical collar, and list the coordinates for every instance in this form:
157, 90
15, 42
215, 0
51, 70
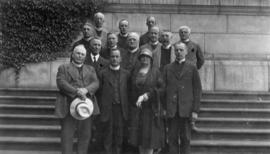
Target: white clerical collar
185, 41
115, 47
96, 56
77, 65
99, 29
125, 35
155, 43
167, 47
115, 68
88, 39
134, 50
181, 61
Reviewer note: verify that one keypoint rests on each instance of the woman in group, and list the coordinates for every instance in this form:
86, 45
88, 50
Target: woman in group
147, 126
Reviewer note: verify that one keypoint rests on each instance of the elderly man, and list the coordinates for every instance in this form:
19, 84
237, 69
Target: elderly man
112, 41
94, 59
100, 32
130, 57
183, 92
195, 54
154, 46
114, 103
122, 36
150, 22
167, 50
75, 80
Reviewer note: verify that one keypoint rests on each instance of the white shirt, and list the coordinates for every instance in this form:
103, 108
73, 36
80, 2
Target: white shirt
96, 56
181, 61
134, 50
115, 68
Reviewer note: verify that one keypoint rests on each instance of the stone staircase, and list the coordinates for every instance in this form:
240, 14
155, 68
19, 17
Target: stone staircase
233, 123
228, 123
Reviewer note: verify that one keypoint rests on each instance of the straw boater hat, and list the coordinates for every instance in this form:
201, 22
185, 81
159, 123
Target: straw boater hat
81, 109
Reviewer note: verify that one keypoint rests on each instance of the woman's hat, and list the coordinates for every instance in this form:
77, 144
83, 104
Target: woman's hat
146, 52
81, 109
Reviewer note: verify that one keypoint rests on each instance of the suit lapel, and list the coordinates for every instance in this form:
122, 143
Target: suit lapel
178, 74
73, 71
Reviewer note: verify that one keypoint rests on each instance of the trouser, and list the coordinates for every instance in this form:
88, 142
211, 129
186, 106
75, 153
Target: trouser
69, 127
179, 128
113, 131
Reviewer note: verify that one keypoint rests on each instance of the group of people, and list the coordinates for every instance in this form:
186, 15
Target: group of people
138, 84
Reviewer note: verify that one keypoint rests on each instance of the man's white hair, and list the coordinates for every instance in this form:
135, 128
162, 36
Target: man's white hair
134, 35
185, 27
80, 47
99, 14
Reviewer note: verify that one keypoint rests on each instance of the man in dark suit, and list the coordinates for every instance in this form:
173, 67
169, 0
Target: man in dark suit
123, 34
88, 33
130, 57
75, 80
150, 22
195, 54
112, 41
94, 59
113, 102
183, 93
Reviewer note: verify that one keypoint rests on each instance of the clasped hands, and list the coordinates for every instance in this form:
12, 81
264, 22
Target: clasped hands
81, 93
144, 97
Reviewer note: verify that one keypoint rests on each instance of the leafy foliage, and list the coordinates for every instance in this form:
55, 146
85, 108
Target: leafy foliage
41, 30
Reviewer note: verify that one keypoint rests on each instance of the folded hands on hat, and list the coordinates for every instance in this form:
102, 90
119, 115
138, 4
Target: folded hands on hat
81, 93
144, 97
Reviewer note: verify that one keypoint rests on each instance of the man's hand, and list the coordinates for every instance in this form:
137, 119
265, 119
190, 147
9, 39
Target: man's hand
81, 93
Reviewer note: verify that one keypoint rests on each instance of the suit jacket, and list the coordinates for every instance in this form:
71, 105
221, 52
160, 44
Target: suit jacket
195, 54
144, 39
68, 80
106, 93
122, 41
99, 65
183, 89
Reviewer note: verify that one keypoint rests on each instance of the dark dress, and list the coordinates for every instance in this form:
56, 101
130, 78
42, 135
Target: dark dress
146, 123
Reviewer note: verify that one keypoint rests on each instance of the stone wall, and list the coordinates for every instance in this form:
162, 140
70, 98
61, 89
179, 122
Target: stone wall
234, 35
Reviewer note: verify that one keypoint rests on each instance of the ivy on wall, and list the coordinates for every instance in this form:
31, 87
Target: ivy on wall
41, 30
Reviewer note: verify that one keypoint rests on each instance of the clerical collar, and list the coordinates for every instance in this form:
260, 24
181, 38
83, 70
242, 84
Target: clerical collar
133, 50
77, 65
155, 43
98, 29
115, 47
167, 47
125, 35
185, 41
181, 61
96, 57
88, 39
115, 68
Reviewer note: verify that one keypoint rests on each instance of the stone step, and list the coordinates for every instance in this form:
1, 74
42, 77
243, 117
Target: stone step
30, 119
225, 103
30, 130
27, 100
234, 112
220, 122
27, 109
231, 134
236, 95
27, 92
230, 147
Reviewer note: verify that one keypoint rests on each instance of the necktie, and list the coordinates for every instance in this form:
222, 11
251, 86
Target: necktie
94, 59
